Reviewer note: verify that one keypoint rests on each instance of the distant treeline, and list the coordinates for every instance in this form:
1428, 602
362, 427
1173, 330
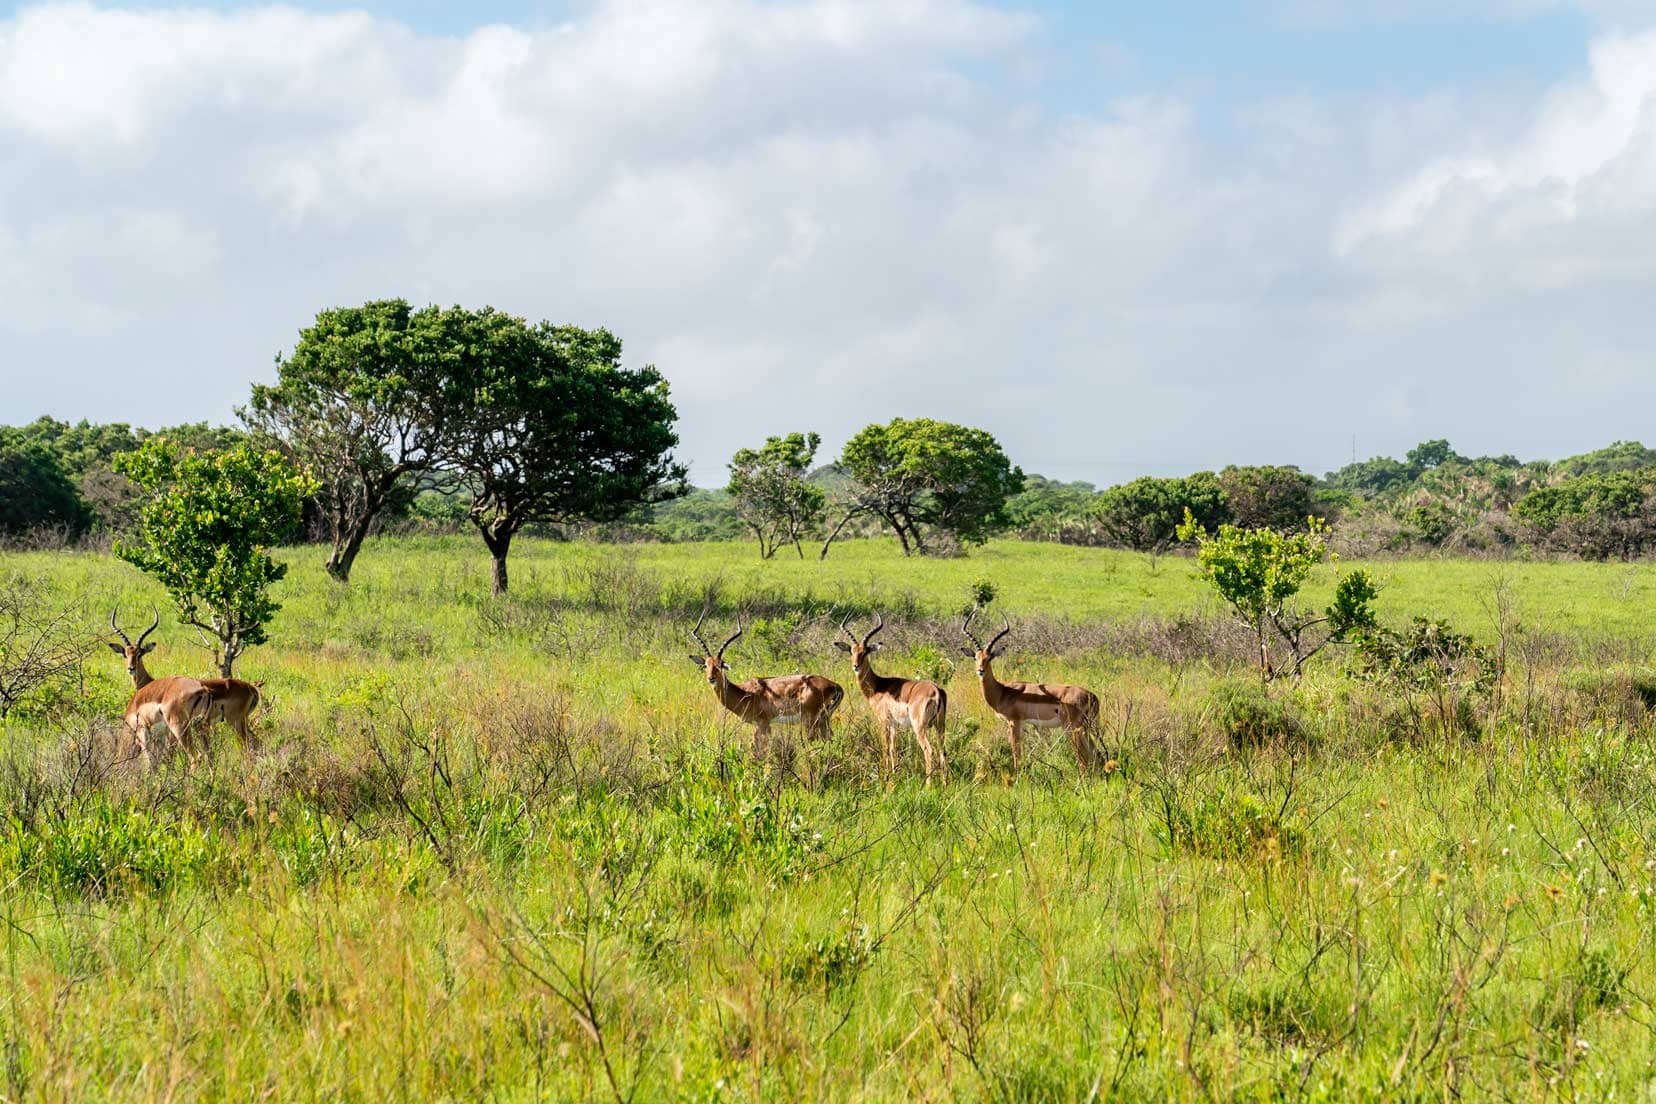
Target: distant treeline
58, 485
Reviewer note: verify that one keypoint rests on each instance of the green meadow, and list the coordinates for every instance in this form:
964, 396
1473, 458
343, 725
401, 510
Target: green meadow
512, 849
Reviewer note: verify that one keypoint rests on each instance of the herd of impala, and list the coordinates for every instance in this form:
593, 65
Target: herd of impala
186, 707
919, 705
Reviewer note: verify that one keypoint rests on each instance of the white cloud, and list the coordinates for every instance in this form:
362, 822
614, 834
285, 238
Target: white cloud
816, 214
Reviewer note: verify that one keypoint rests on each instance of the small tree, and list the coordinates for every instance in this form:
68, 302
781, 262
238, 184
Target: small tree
928, 479
1258, 572
362, 404
1268, 497
1145, 515
772, 496
555, 430
203, 531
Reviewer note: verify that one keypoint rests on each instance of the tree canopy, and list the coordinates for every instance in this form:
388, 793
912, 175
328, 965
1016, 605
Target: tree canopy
35, 491
772, 495
931, 481
205, 529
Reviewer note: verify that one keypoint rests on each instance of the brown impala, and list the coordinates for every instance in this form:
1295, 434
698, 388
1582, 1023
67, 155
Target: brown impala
918, 704
223, 699
809, 700
1041, 704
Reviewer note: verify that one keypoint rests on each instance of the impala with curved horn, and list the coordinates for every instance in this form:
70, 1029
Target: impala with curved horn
1039, 704
229, 700
918, 704
809, 700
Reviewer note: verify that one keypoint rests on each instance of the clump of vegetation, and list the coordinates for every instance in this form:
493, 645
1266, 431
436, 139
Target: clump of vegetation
1259, 572
1250, 717
772, 495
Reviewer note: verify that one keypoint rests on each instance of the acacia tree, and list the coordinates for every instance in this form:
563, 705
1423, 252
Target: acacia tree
555, 430
364, 403
928, 479
204, 531
772, 496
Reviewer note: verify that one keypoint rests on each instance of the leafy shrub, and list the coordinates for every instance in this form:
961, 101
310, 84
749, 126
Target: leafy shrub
100, 850
1596, 516
1426, 655
1145, 515
1229, 825
1251, 717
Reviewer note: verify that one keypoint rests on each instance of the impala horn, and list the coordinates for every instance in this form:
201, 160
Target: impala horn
965, 627
114, 615
731, 639
1004, 632
153, 626
879, 623
695, 633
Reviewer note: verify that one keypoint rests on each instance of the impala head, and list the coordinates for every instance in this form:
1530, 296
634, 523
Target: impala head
710, 661
133, 653
980, 652
859, 649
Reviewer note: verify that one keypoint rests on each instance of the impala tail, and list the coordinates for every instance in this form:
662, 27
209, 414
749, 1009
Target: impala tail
941, 717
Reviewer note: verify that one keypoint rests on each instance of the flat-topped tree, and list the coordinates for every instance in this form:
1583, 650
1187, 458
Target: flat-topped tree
364, 402
556, 430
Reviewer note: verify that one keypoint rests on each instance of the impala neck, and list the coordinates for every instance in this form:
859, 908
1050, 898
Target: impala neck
867, 681
140, 674
992, 687
729, 693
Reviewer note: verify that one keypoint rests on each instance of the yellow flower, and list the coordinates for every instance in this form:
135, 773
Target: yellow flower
1111, 766
1555, 894
1439, 877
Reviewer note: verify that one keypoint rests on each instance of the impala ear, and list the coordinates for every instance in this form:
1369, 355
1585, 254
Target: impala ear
840, 644
116, 648
873, 648
146, 649
965, 651
698, 661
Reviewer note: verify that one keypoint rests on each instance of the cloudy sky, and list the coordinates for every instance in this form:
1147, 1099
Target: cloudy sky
1257, 230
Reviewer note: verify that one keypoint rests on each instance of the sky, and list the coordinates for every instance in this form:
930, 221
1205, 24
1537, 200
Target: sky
1125, 238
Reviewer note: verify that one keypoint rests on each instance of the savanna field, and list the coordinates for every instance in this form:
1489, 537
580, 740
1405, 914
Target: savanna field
512, 849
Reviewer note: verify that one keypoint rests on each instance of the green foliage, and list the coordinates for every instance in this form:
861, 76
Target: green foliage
205, 529
1376, 476
1229, 825
928, 479
1431, 522
1268, 497
1145, 515
1620, 456
1249, 717
103, 850
1426, 655
35, 491
553, 429
1258, 572
772, 495
1432, 454
1596, 516
366, 403
1044, 501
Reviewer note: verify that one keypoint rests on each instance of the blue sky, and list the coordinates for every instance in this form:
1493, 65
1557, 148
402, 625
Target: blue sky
1125, 238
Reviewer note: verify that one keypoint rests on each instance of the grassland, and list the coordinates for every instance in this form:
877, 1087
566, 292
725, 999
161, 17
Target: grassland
511, 850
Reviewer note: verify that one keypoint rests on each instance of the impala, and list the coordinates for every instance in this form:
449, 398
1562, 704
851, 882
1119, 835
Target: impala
1039, 704
229, 700
809, 700
918, 704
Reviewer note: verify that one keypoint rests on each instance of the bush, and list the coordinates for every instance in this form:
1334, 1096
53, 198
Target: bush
1268, 497
1145, 515
1596, 516
35, 492
1251, 717
99, 850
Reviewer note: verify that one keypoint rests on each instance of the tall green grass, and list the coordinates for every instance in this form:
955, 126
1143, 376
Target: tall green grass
512, 849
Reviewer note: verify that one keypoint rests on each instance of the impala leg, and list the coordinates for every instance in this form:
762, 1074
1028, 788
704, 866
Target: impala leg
1016, 737
140, 740
942, 756
761, 738
925, 746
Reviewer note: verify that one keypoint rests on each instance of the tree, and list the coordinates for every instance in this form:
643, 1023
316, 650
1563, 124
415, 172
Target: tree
1145, 515
1432, 454
1596, 516
555, 430
35, 492
204, 529
771, 493
1258, 572
1268, 497
928, 479
364, 403
1372, 477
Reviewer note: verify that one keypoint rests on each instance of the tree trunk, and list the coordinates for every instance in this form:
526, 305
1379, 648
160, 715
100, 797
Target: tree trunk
499, 542
832, 536
350, 532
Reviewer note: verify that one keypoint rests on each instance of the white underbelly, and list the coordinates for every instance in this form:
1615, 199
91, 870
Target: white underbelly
785, 718
1045, 722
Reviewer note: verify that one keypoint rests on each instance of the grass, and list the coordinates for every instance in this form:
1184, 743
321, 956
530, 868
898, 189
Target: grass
511, 850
